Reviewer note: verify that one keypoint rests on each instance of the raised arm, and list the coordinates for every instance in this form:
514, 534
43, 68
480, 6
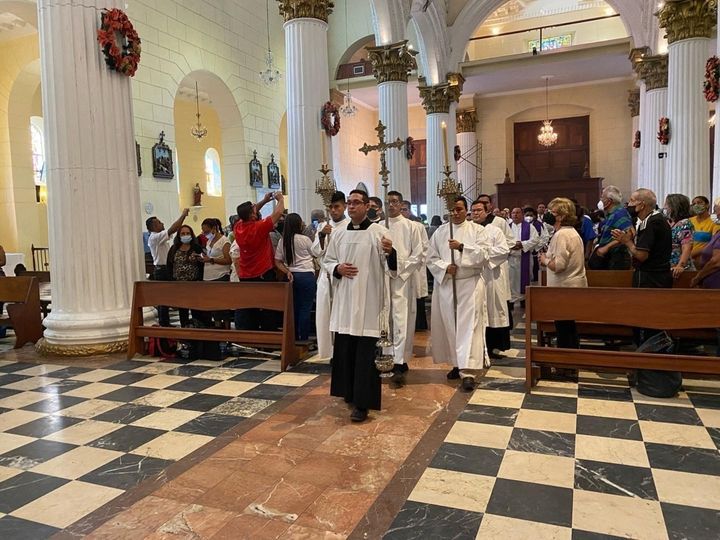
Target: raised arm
178, 223
279, 207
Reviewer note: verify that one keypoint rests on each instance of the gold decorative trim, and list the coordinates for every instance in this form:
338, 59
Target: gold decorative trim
45, 348
686, 19
435, 99
392, 62
466, 121
653, 70
456, 82
306, 9
634, 102
637, 54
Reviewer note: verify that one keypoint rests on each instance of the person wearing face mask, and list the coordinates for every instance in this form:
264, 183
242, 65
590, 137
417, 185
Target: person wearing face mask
609, 254
184, 263
708, 263
677, 212
651, 246
216, 256
704, 228
526, 240
531, 217
375, 213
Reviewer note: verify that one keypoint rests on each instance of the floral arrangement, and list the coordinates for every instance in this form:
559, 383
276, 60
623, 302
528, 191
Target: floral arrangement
330, 119
122, 57
711, 87
409, 148
664, 132
636, 142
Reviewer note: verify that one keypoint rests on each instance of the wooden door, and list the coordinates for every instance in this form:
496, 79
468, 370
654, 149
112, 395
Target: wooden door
418, 174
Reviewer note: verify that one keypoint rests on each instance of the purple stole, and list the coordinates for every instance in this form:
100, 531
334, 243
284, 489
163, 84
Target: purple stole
524, 258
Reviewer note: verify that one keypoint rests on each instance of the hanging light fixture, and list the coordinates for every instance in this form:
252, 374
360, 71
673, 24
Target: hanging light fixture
547, 136
198, 130
348, 108
271, 75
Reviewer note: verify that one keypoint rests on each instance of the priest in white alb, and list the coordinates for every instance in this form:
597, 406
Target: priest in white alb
325, 279
526, 240
458, 335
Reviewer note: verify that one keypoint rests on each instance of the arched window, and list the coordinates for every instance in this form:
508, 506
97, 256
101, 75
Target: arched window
212, 173
38, 149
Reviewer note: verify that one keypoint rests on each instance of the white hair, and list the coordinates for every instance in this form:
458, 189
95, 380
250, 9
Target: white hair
646, 196
613, 193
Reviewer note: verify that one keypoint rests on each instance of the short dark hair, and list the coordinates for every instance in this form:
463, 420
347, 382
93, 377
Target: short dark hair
530, 210
376, 200
484, 195
395, 194
478, 201
149, 222
365, 197
338, 196
244, 211
462, 200
703, 198
407, 202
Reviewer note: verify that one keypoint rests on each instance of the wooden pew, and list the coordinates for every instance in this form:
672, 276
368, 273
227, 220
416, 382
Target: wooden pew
42, 277
215, 296
23, 297
644, 308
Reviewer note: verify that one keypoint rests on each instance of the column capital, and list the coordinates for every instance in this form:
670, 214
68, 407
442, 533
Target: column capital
634, 102
653, 70
466, 121
685, 19
456, 82
306, 9
435, 99
637, 54
392, 62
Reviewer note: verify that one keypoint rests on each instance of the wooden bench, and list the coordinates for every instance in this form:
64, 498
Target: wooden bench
40, 258
641, 308
42, 277
215, 296
22, 295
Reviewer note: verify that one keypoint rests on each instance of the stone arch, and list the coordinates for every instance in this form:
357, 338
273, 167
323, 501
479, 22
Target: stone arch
351, 50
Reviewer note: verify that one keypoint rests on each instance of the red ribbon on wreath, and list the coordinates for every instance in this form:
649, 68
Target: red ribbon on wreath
664, 132
330, 119
711, 86
123, 56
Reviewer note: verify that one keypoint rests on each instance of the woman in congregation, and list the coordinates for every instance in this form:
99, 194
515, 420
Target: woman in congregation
184, 263
708, 276
565, 262
293, 257
677, 212
216, 256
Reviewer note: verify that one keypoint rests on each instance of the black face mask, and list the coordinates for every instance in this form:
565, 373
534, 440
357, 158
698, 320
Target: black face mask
372, 214
280, 226
549, 218
632, 212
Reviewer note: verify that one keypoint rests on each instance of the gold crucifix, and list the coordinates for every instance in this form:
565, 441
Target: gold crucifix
382, 147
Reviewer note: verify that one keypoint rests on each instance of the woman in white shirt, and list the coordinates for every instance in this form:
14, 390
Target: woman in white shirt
293, 257
216, 255
565, 261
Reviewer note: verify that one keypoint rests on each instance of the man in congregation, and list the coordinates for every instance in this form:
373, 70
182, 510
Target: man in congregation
326, 281
411, 252
609, 253
159, 244
375, 213
256, 262
360, 257
526, 240
458, 303
531, 216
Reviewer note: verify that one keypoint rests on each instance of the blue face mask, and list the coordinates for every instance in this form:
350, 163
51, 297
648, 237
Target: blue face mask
210, 236
186, 239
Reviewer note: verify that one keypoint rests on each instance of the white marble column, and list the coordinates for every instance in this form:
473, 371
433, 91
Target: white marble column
466, 122
436, 162
307, 89
93, 191
688, 24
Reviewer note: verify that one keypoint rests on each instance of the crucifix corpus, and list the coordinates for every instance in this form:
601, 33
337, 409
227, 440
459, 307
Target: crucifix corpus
384, 362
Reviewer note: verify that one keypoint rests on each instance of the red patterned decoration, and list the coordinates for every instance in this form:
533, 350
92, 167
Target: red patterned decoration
711, 86
330, 119
119, 41
664, 132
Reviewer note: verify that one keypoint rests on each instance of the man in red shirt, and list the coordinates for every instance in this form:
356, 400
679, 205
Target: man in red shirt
252, 236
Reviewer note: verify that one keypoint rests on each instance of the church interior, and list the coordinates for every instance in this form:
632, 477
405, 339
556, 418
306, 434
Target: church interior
113, 113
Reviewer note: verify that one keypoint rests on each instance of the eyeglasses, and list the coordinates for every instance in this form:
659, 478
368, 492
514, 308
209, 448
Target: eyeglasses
355, 203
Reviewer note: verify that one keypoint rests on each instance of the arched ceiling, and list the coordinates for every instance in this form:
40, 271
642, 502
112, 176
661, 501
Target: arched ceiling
18, 18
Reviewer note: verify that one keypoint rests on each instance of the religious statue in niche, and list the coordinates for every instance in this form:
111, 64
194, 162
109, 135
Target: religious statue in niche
256, 171
162, 159
138, 158
197, 195
273, 173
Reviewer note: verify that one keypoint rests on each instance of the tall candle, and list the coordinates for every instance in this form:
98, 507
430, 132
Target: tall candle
322, 145
444, 143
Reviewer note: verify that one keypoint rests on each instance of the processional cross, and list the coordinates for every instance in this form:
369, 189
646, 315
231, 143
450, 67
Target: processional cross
383, 147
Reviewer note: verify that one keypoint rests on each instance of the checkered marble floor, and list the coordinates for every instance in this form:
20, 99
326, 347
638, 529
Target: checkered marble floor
72, 439
587, 460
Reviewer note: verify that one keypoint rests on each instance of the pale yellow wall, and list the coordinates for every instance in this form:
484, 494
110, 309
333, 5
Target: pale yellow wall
191, 155
352, 166
417, 122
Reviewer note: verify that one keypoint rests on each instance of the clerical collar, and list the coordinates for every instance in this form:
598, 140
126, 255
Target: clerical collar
362, 227
488, 220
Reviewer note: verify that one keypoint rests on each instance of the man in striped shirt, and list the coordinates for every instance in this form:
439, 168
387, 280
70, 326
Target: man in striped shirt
610, 254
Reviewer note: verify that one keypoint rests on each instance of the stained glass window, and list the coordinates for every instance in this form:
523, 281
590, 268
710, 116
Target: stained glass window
212, 173
38, 150
550, 43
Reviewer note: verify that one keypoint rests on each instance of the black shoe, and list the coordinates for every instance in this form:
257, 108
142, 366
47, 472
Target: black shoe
404, 368
495, 356
359, 415
453, 374
468, 384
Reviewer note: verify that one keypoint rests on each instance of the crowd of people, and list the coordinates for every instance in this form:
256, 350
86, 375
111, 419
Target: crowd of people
362, 277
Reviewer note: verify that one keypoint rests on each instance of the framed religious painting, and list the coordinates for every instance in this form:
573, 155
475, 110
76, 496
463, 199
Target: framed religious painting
138, 158
256, 173
162, 159
273, 173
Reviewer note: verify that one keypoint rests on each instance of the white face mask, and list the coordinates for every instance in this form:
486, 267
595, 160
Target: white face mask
210, 236
600, 206
186, 238
529, 219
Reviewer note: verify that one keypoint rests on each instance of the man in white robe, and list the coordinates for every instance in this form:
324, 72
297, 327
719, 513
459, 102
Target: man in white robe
338, 219
421, 277
458, 338
411, 254
526, 240
361, 257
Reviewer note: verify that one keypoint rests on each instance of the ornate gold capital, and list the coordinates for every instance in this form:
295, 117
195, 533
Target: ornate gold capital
466, 121
45, 348
637, 54
634, 102
435, 99
456, 82
306, 9
653, 70
685, 19
392, 62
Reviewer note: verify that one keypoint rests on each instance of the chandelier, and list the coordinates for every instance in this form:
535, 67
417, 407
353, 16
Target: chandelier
198, 130
271, 75
348, 108
547, 136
